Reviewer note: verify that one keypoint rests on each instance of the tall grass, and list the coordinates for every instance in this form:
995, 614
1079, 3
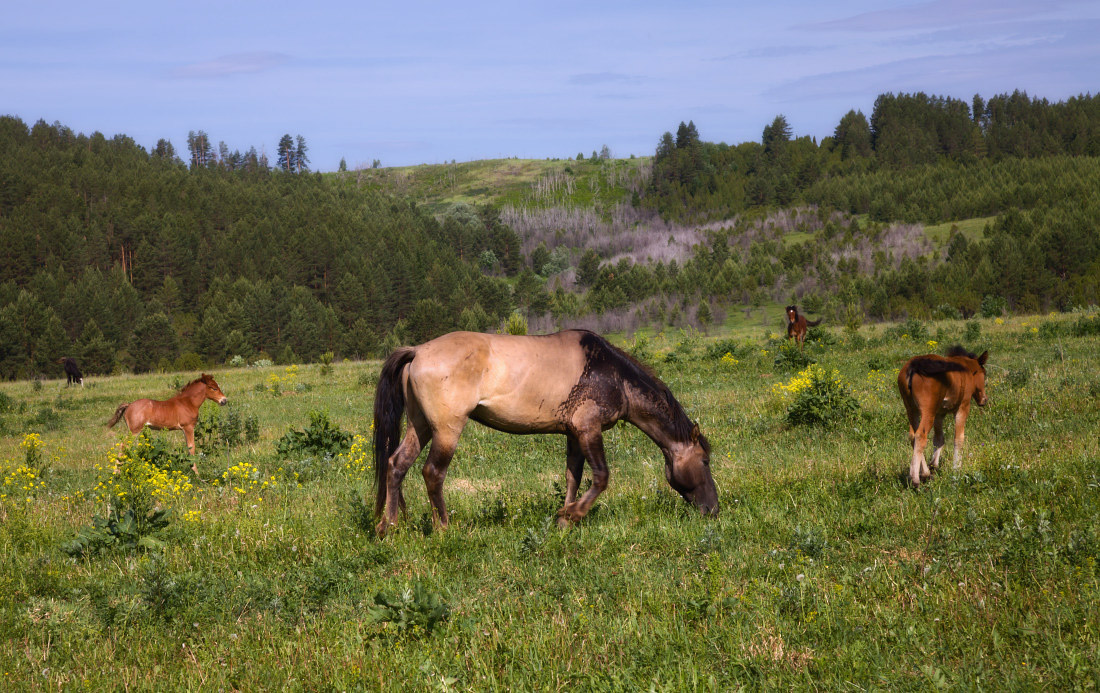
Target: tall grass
824, 568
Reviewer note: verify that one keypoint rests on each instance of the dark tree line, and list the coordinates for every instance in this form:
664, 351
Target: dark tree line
694, 180
129, 259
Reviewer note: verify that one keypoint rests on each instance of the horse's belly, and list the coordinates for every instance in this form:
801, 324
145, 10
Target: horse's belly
517, 421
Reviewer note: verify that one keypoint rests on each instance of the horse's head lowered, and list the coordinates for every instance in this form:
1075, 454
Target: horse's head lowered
212, 390
687, 468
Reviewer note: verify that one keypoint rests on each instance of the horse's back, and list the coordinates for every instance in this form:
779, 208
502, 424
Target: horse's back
933, 379
512, 382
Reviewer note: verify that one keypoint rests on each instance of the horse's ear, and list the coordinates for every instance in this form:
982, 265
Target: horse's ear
983, 357
695, 434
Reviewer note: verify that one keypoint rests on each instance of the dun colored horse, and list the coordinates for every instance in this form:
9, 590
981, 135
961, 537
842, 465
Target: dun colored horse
797, 325
574, 383
932, 386
180, 412
72, 371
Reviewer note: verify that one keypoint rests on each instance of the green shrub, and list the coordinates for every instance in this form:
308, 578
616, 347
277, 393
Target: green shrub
946, 311
973, 330
515, 324
819, 335
790, 358
993, 306
123, 532
217, 431
719, 348
413, 612
322, 438
326, 363
1086, 325
641, 348
818, 398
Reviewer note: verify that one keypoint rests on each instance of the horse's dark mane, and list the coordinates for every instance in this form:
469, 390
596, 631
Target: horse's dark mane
642, 377
958, 350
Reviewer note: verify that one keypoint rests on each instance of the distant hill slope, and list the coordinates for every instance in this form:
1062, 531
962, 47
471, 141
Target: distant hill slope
538, 183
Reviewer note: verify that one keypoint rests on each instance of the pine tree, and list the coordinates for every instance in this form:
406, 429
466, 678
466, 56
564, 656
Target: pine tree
301, 158
285, 159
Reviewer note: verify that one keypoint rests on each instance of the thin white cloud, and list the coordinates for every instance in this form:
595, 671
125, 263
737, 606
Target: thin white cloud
235, 64
942, 13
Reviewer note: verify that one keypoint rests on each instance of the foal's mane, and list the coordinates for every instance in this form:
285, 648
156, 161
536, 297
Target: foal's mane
958, 350
643, 378
196, 380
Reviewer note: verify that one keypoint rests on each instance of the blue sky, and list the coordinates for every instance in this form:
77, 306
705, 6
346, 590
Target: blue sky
425, 82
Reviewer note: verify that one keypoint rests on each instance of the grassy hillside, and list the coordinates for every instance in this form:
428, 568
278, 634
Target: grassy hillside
823, 569
516, 182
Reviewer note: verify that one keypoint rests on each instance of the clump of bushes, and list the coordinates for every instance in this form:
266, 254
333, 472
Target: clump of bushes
216, 431
817, 397
321, 439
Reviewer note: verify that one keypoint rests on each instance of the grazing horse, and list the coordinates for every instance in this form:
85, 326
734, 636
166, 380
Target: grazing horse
573, 382
932, 386
71, 370
798, 326
179, 412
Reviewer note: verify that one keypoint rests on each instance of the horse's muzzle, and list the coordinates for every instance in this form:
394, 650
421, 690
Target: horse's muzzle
223, 401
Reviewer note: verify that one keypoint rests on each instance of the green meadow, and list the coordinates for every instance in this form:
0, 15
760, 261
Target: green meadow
824, 569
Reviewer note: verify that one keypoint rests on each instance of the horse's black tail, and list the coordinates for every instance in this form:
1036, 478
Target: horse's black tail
118, 415
930, 368
814, 323
389, 406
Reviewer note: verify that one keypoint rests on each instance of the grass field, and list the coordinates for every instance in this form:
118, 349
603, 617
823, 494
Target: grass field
823, 570
971, 228
592, 183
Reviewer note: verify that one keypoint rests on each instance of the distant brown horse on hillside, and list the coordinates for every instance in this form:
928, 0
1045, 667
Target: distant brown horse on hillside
932, 386
573, 382
798, 326
180, 412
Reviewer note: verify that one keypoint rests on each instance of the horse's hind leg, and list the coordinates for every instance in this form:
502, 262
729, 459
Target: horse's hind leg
399, 463
937, 441
918, 467
443, 447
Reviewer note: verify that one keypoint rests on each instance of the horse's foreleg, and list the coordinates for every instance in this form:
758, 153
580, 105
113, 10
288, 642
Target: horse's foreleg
574, 468
960, 434
591, 445
189, 436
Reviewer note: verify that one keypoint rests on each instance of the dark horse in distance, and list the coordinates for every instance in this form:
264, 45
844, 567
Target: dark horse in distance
574, 383
177, 413
933, 386
798, 326
72, 371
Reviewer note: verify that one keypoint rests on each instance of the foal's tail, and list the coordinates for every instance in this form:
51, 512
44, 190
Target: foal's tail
389, 406
118, 415
930, 368
814, 323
